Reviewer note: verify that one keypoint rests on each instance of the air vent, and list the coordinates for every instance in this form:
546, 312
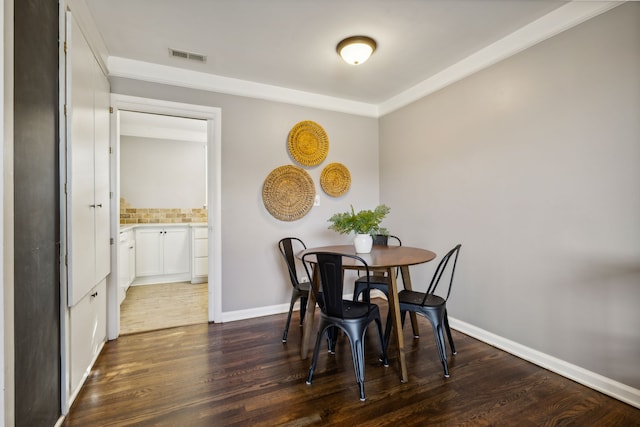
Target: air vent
187, 55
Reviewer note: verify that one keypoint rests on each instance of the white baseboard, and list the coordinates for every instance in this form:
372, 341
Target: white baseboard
580, 375
231, 316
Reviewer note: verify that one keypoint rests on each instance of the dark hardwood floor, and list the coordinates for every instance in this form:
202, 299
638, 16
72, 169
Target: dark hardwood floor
241, 374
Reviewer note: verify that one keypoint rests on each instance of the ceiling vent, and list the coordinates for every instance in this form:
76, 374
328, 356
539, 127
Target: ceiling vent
187, 55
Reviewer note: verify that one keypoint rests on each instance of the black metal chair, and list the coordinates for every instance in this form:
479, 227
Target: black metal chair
288, 247
432, 306
378, 280
352, 317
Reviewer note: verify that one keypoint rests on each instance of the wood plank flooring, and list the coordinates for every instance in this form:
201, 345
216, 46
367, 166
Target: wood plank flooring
161, 306
241, 374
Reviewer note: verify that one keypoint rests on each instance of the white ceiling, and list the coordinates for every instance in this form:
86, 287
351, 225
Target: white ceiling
291, 43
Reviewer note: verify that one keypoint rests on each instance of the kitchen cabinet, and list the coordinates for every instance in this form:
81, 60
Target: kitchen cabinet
87, 332
163, 254
87, 158
126, 263
200, 254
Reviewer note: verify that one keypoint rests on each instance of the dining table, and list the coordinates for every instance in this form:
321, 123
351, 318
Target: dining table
381, 258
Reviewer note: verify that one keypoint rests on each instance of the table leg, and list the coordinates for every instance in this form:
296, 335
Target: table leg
307, 325
397, 324
406, 280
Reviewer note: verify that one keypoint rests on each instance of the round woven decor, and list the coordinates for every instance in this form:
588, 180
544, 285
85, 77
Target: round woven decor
308, 143
335, 179
288, 193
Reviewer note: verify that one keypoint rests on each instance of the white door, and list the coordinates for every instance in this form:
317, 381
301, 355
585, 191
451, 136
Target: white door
80, 187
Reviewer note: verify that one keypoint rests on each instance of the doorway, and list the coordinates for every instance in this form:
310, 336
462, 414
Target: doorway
163, 168
211, 116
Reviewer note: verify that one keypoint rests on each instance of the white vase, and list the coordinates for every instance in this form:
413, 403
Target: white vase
363, 243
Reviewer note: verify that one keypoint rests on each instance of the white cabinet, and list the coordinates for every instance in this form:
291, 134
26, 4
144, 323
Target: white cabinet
87, 331
126, 263
200, 254
163, 254
87, 181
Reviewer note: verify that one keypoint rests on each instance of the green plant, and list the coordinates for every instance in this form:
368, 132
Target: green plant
363, 222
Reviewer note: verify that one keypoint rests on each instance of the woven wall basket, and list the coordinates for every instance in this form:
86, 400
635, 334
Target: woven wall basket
335, 179
288, 193
308, 143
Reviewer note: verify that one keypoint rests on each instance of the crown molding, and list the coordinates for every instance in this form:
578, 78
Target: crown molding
128, 68
565, 17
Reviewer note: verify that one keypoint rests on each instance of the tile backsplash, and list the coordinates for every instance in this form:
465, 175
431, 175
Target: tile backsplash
131, 215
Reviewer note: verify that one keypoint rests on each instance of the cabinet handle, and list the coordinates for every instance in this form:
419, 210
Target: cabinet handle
99, 205
95, 294
92, 206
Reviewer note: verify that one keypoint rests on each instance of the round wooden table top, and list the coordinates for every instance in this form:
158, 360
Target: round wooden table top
380, 256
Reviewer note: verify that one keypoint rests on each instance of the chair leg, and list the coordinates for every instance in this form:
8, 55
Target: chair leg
357, 353
303, 308
383, 347
316, 350
332, 339
446, 325
437, 329
286, 328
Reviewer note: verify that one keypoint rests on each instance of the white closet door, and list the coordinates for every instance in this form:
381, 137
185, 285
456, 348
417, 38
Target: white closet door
101, 180
80, 161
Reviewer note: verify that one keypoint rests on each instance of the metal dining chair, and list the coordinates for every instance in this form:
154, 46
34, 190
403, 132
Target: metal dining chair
288, 247
432, 306
352, 317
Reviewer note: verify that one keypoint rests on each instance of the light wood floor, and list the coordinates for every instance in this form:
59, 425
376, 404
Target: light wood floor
161, 306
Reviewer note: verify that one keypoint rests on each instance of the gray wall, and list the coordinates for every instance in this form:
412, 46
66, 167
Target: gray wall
36, 211
534, 166
254, 142
162, 173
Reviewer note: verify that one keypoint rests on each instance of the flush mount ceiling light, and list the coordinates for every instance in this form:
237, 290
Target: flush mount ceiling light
357, 49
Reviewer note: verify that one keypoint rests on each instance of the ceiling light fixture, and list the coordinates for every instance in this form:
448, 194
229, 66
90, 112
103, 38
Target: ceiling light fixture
357, 49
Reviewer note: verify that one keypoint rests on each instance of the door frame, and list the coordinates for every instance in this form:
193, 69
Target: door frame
213, 116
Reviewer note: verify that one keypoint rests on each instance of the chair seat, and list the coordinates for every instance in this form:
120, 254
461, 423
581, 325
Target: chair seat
415, 298
354, 310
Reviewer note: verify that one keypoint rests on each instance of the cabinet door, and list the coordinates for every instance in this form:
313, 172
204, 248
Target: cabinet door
80, 160
177, 253
132, 260
101, 174
149, 254
88, 168
123, 269
87, 332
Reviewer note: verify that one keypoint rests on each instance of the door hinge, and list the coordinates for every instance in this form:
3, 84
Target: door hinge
66, 259
65, 47
111, 110
110, 150
65, 188
111, 194
65, 109
111, 241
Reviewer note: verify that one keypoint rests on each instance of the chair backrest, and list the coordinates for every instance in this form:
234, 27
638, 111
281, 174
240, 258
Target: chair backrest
383, 240
440, 270
329, 265
288, 247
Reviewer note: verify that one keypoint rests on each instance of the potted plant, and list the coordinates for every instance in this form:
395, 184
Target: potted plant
363, 224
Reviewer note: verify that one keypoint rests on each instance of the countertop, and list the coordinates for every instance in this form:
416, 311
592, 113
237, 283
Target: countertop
127, 227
